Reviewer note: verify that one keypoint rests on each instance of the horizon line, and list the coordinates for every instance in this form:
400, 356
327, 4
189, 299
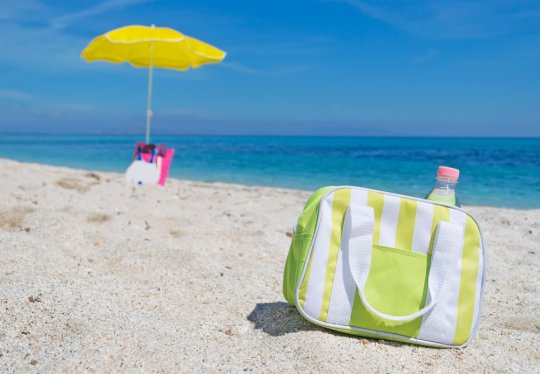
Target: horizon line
269, 135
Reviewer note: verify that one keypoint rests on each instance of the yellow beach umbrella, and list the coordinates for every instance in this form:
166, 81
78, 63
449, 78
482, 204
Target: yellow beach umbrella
151, 47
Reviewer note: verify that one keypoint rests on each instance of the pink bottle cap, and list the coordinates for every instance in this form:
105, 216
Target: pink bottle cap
446, 172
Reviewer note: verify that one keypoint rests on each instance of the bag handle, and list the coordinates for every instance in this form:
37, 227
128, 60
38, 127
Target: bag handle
444, 258
152, 156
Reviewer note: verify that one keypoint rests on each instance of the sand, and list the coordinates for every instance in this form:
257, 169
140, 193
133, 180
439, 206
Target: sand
100, 276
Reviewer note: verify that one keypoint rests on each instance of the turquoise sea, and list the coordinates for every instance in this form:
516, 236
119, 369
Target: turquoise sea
494, 171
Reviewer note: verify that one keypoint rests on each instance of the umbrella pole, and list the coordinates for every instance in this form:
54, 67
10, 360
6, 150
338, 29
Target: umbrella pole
149, 100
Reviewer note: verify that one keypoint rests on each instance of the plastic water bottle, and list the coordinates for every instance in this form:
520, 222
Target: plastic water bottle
445, 186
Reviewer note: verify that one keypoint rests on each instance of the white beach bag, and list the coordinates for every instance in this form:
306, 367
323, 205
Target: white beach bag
142, 172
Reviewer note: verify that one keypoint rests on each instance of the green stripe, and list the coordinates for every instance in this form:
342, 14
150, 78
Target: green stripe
376, 201
339, 206
440, 213
469, 275
303, 288
405, 225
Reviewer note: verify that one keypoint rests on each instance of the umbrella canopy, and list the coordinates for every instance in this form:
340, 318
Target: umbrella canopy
150, 47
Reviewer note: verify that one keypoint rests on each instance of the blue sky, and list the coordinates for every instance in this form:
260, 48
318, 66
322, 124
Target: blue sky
331, 67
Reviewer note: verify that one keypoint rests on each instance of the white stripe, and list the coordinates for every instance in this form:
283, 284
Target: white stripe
439, 325
478, 289
319, 260
422, 227
459, 218
389, 219
343, 287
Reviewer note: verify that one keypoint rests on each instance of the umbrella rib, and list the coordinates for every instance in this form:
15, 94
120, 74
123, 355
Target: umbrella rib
203, 54
168, 40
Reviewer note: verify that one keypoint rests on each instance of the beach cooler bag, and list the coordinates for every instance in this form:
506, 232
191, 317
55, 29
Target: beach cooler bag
388, 266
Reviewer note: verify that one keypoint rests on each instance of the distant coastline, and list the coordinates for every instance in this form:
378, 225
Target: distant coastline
137, 134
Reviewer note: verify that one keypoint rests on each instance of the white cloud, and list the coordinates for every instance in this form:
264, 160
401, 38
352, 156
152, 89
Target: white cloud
101, 8
10, 9
441, 19
40, 47
15, 95
29, 40
272, 71
294, 45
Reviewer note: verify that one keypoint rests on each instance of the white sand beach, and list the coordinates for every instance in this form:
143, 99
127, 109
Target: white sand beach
97, 275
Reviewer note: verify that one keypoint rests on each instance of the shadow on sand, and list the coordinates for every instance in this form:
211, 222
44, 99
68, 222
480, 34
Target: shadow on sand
279, 318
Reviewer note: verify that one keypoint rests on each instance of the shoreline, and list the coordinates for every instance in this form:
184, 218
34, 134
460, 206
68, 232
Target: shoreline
98, 275
224, 183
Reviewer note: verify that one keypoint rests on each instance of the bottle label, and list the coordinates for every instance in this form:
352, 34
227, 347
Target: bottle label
447, 199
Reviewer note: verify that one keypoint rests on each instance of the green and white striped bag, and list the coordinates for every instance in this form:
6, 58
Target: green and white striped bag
388, 266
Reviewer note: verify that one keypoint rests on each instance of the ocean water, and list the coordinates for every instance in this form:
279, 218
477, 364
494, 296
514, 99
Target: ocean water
495, 172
